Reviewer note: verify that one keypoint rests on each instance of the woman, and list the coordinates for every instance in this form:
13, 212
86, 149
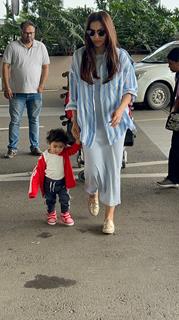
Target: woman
102, 84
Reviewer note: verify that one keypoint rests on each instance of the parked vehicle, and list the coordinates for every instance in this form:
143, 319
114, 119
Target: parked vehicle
155, 80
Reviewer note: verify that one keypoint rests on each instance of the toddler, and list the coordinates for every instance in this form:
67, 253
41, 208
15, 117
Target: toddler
53, 174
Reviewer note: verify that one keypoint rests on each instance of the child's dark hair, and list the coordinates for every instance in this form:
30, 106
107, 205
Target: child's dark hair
174, 55
57, 135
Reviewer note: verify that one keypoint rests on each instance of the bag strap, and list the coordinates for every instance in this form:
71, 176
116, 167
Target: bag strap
175, 91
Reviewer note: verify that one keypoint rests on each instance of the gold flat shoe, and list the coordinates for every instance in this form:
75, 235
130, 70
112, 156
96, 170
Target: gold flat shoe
108, 226
93, 205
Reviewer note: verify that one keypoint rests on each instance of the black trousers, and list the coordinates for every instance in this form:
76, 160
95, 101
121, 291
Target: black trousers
173, 162
54, 188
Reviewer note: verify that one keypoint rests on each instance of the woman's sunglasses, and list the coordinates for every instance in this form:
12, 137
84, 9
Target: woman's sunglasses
100, 32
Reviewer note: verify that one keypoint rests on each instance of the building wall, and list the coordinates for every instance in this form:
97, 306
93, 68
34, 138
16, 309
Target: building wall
58, 65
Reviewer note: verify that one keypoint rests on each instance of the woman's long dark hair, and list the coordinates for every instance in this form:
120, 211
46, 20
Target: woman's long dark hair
88, 65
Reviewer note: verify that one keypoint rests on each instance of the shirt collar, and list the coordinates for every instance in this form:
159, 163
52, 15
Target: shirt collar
34, 44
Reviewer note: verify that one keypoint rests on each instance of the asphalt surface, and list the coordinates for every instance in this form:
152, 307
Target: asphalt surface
77, 272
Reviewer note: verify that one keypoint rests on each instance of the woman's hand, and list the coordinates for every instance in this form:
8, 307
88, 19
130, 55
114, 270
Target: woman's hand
75, 130
116, 117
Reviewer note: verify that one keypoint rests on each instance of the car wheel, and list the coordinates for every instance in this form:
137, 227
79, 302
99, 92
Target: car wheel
158, 96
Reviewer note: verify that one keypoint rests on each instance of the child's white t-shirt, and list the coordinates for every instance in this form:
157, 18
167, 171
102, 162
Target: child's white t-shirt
54, 166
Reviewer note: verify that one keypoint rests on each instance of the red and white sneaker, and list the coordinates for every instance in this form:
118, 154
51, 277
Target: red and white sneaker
66, 219
52, 218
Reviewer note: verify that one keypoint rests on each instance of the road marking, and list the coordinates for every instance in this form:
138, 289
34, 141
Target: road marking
123, 176
24, 176
145, 120
10, 179
5, 129
143, 175
20, 174
142, 164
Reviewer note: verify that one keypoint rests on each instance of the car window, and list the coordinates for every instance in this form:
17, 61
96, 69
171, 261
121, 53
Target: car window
160, 55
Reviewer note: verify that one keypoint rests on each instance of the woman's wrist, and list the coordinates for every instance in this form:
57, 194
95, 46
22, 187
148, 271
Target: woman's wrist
74, 117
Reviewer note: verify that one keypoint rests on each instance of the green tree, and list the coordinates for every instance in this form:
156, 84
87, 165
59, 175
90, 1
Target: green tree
154, 2
140, 25
175, 18
61, 30
102, 4
25, 5
9, 30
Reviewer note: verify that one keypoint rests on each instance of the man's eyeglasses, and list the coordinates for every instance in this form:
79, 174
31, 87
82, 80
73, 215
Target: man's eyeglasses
100, 32
28, 33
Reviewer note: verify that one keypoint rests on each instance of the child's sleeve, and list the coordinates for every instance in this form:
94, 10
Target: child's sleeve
34, 183
73, 149
37, 179
72, 104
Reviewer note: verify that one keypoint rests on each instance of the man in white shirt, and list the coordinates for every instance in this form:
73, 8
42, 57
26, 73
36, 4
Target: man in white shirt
25, 72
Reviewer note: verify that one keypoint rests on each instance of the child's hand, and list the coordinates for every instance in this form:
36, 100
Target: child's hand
77, 141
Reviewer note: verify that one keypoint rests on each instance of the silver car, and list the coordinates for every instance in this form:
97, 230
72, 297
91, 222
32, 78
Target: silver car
155, 80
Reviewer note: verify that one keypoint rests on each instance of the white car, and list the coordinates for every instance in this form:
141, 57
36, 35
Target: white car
155, 80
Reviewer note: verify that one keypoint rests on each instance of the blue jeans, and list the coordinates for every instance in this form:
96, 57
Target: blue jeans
33, 103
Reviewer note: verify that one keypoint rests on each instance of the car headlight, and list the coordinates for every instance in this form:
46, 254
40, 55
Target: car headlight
139, 74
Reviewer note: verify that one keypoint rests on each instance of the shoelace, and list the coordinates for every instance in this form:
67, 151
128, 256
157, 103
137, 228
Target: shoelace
52, 216
66, 216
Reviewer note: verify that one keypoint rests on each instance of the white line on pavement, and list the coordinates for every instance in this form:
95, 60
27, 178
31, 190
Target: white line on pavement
129, 165
14, 179
20, 174
25, 176
143, 175
142, 164
145, 120
123, 176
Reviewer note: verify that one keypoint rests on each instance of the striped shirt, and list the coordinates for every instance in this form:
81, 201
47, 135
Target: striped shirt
111, 93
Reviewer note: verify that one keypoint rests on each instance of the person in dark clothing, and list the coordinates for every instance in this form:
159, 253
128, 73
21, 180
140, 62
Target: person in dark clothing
172, 179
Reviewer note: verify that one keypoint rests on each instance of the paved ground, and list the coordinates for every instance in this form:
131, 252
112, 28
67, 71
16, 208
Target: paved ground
78, 273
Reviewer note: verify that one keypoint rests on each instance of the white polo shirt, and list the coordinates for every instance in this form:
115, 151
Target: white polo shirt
26, 65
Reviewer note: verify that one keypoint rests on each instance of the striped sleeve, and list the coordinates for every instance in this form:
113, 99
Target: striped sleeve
129, 78
72, 104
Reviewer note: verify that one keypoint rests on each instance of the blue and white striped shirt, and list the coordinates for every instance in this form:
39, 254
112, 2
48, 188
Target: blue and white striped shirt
111, 93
